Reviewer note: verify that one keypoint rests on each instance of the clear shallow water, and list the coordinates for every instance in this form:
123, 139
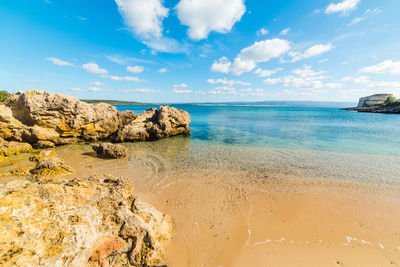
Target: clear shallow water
297, 128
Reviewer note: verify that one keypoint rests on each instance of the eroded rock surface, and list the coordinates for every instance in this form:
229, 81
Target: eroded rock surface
109, 150
50, 167
155, 124
79, 222
13, 148
45, 119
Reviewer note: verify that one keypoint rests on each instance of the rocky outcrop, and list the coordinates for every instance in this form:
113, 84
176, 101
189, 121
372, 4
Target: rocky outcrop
47, 119
390, 109
13, 148
155, 124
50, 167
109, 151
95, 221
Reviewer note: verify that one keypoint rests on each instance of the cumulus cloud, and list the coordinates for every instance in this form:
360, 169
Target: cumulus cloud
204, 16
388, 66
59, 62
311, 52
224, 81
342, 7
223, 90
266, 73
252, 92
304, 78
135, 69
94, 68
123, 78
249, 57
140, 90
144, 18
223, 65
181, 89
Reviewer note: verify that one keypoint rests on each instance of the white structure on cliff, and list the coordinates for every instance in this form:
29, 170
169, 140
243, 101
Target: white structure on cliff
373, 100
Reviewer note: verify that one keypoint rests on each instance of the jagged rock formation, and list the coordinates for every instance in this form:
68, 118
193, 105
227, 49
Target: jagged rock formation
50, 167
109, 151
47, 119
155, 124
79, 222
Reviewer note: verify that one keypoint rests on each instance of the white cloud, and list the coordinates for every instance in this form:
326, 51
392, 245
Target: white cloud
285, 31
262, 32
94, 68
204, 16
304, 78
163, 70
259, 52
59, 62
342, 7
76, 89
124, 60
266, 73
311, 52
224, 81
140, 90
222, 65
181, 89
367, 13
96, 89
387, 66
223, 90
96, 83
249, 57
144, 18
323, 60
366, 81
135, 69
123, 78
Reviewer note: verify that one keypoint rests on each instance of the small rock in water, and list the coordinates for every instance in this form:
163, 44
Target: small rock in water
50, 167
109, 150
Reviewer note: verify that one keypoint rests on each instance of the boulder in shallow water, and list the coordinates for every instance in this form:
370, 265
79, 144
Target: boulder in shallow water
155, 124
93, 221
109, 150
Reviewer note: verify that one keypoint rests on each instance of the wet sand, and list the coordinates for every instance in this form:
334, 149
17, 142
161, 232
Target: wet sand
233, 216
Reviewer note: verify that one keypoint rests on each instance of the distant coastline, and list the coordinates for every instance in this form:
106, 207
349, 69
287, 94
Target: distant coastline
114, 102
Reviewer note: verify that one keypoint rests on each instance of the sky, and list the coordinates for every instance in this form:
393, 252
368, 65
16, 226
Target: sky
201, 50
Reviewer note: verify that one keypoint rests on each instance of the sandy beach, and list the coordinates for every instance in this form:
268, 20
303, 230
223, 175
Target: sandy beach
225, 217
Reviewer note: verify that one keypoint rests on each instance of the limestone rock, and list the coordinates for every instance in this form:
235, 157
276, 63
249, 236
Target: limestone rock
50, 167
47, 119
109, 150
34, 116
13, 148
94, 221
44, 145
155, 124
45, 154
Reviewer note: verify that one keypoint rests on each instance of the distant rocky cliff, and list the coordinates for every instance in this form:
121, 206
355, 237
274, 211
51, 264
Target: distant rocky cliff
47, 119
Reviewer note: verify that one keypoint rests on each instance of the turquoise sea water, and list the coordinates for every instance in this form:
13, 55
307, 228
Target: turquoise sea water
298, 128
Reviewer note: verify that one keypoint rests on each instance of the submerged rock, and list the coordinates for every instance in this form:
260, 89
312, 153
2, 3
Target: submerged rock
48, 119
109, 150
79, 222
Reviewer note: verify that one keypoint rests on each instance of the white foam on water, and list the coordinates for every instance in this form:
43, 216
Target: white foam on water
262, 242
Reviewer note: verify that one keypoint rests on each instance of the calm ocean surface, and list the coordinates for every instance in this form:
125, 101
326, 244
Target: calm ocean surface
298, 128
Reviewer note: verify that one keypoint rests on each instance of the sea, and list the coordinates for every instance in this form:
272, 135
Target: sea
297, 139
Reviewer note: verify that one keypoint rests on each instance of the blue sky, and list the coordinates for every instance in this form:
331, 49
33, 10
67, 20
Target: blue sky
201, 50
